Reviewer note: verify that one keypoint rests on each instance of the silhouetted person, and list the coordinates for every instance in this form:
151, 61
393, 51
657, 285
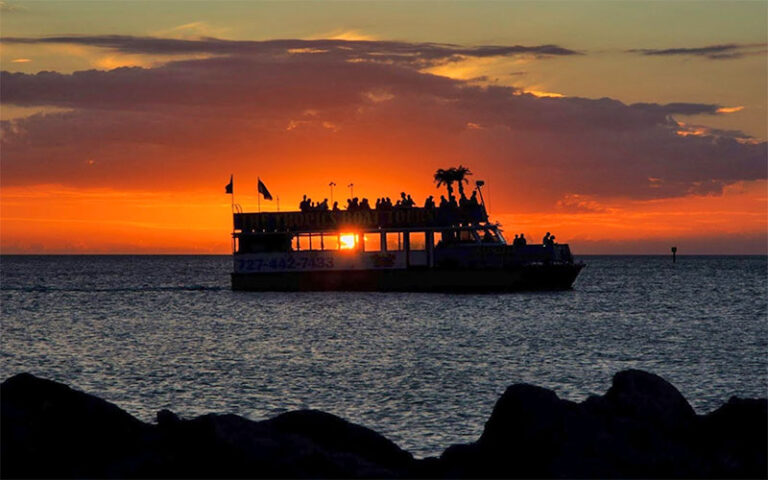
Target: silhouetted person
545, 240
473, 199
410, 201
364, 204
430, 203
516, 241
323, 206
523, 241
443, 202
335, 206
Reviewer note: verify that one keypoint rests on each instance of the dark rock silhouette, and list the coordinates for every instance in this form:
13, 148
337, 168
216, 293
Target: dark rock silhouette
642, 427
51, 431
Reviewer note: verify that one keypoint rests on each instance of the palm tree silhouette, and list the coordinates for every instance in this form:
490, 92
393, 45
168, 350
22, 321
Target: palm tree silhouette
451, 175
459, 175
445, 177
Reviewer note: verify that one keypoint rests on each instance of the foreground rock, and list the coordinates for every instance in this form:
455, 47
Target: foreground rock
642, 427
52, 431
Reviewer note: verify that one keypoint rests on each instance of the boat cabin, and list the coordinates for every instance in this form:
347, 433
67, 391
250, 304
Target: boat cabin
395, 238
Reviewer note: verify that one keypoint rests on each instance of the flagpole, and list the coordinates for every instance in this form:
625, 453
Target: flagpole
258, 194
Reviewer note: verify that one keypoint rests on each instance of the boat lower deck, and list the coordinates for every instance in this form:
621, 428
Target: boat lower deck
552, 276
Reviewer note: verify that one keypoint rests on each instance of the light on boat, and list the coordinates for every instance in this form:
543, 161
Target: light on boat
347, 241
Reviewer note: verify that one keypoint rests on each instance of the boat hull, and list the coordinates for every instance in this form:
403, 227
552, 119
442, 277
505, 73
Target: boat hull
553, 276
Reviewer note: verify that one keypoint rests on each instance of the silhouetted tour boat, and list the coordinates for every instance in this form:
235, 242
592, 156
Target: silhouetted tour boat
448, 248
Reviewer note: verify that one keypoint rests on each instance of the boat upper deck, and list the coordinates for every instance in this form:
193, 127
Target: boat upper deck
367, 220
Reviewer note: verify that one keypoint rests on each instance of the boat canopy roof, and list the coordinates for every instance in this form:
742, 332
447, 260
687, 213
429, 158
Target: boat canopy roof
363, 219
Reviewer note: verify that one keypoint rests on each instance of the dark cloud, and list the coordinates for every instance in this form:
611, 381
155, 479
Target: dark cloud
381, 51
678, 108
187, 121
714, 52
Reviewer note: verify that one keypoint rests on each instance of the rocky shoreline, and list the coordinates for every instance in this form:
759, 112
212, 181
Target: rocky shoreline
641, 428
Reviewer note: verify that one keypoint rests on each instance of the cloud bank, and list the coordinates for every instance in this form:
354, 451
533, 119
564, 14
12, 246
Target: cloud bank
380, 51
712, 52
366, 106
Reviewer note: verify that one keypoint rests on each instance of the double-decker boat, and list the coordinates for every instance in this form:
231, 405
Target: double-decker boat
447, 248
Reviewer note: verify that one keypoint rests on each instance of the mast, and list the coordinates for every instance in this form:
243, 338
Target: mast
479, 184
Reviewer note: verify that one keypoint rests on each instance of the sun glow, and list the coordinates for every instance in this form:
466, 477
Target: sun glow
347, 241
730, 109
542, 93
109, 221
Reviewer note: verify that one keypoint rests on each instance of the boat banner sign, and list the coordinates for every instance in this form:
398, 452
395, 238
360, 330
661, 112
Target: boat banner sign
345, 219
317, 260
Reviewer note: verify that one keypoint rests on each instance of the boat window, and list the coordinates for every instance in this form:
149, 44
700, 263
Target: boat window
394, 241
330, 242
264, 243
372, 242
466, 236
304, 242
418, 240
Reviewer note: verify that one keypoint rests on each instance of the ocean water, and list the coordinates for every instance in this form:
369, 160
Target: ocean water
154, 332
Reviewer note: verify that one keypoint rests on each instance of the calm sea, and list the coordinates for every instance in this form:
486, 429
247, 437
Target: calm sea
153, 332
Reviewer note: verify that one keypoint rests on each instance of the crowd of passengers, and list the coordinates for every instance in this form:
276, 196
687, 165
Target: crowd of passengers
405, 201
385, 203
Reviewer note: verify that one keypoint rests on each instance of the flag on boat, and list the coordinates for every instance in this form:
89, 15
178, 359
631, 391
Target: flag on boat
228, 187
263, 190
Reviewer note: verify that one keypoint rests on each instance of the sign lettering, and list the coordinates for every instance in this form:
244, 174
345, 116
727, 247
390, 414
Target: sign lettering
344, 219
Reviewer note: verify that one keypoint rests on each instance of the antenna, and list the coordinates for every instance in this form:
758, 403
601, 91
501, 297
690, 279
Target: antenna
479, 184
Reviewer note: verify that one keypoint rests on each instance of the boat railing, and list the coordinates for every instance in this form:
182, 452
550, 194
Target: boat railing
334, 220
538, 252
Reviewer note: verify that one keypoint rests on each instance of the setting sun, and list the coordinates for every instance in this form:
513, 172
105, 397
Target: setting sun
347, 241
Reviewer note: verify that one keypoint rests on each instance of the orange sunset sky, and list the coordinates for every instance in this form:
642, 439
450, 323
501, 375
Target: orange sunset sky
622, 127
